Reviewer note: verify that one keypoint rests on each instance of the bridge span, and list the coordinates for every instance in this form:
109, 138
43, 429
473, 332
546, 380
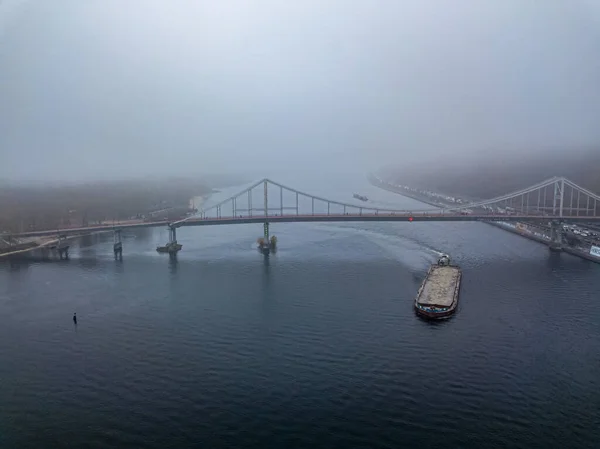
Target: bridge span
366, 217
553, 201
292, 218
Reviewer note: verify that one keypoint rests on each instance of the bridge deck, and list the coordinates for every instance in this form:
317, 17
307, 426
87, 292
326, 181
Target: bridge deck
369, 217
396, 217
578, 205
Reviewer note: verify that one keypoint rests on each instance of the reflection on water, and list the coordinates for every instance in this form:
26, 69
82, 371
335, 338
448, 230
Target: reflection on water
173, 263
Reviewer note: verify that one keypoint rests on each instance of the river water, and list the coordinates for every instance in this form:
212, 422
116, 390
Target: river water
317, 346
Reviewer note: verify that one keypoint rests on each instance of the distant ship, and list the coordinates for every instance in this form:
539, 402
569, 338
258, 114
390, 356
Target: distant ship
360, 197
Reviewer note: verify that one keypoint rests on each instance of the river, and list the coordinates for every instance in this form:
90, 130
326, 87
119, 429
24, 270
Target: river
317, 346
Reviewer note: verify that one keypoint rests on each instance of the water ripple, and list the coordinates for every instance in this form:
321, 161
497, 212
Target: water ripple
316, 347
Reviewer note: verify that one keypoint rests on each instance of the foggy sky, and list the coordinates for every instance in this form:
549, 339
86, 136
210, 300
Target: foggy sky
114, 88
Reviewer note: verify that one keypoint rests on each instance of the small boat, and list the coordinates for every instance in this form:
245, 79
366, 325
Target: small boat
360, 197
438, 296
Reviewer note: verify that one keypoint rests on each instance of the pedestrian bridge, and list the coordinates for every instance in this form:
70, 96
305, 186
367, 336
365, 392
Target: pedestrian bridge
553, 199
267, 201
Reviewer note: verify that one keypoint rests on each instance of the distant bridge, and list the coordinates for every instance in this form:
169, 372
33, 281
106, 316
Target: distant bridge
554, 200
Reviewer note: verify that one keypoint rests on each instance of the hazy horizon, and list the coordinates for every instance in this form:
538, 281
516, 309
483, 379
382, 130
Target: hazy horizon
112, 89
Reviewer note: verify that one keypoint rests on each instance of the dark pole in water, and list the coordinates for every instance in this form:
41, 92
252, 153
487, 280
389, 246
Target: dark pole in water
75, 318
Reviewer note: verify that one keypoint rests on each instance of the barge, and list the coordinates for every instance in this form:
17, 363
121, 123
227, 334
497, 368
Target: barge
438, 296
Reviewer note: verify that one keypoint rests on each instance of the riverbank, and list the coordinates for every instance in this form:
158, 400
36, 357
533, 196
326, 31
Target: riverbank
30, 244
540, 234
35, 207
42, 243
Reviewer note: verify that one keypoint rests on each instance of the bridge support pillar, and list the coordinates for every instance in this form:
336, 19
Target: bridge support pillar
264, 245
556, 243
172, 247
118, 245
62, 247
267, 243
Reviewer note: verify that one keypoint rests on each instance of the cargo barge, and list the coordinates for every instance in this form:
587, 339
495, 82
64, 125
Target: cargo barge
438, 296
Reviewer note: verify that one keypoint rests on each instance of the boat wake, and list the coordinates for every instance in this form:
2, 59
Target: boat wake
436, 252
399, 246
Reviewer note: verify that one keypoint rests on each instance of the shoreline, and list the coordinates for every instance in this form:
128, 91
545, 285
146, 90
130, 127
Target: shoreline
521, 230
47, 243
197, 201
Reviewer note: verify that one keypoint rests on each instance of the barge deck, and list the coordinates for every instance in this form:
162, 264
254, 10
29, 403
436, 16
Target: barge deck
438, 295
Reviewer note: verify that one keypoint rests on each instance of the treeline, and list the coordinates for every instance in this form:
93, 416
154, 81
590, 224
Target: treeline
32, 208
487, 179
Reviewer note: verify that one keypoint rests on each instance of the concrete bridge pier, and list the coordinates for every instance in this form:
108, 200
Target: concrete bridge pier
556, 243
265, 244
118, 244
62, 247
172, 247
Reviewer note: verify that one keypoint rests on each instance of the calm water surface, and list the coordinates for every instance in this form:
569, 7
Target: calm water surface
317, 346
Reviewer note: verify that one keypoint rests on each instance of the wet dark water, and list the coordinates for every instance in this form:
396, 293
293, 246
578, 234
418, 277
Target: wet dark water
316, 347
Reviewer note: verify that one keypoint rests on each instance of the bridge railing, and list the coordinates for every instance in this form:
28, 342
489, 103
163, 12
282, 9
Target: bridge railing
554, 198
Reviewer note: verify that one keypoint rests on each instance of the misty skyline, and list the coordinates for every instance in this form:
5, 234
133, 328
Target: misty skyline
101, 89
